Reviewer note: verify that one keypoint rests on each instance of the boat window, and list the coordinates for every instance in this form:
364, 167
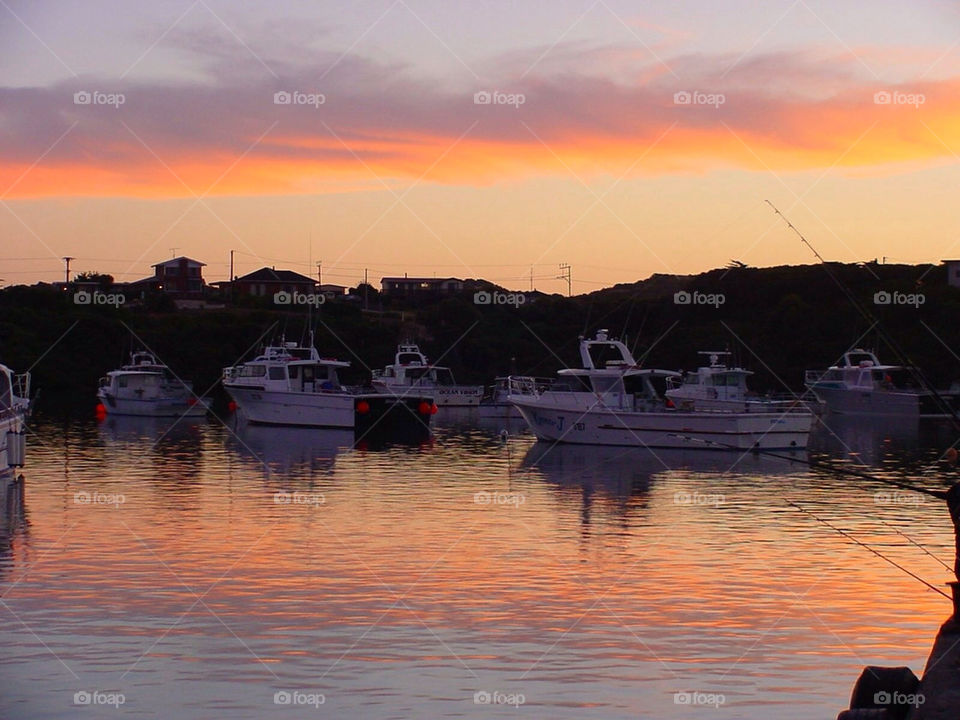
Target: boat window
410, 358
635, 385
122, 381
603, 353
420, 373
299, 353
294, 371
253, 371
277, 373
443, 376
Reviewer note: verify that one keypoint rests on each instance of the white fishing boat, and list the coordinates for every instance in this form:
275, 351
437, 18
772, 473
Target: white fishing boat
861, 385
611, 400
146, 387
14, 409
719, 386
288, 384
410, 372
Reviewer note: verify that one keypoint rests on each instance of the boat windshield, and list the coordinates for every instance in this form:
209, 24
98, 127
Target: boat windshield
420, 373
604, 353
410, 358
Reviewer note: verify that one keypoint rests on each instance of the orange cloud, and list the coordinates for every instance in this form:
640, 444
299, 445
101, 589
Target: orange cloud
167, 142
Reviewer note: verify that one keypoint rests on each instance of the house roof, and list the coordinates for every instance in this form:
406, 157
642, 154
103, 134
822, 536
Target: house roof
266, 275
176, 260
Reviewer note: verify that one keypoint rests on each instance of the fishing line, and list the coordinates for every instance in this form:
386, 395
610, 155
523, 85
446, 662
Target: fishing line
915, 543
867, 547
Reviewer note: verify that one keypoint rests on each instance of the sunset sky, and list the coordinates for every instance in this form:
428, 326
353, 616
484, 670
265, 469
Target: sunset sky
846, 115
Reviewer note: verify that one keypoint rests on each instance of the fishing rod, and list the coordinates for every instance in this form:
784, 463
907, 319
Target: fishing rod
897, 350
867, 547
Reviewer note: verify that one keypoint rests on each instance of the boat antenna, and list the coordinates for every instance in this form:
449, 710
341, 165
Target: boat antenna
869, 317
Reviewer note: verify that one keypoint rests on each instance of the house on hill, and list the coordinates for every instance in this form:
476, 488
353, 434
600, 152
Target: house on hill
180, 277
267, 281
420, 285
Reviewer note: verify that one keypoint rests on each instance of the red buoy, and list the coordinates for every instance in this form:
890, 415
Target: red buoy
232, 406
191, 401
101, 410
424, 407
433, 409
363, 407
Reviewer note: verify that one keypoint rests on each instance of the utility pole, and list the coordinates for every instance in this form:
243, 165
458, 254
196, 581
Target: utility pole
366, 287
565, 274
531, 278
67, 261
319, 272
231, 275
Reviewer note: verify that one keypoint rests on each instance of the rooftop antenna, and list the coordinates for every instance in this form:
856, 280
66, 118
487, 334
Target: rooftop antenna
173, 252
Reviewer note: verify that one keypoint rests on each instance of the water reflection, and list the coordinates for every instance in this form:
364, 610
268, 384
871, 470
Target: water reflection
592, 580
289, 451
13, 519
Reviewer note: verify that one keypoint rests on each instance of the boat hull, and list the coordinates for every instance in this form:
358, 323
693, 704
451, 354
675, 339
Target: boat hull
721, 430
877, 403
374, 415
152, 407
270, 407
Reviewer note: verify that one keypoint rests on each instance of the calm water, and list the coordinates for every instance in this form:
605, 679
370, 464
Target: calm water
199, 572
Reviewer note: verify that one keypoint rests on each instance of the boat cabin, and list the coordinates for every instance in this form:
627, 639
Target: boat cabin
290, 368
714, 381
411, 368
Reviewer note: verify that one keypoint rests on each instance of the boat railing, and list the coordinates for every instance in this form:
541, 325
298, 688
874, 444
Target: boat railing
528, 385
21, 385
812, 377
